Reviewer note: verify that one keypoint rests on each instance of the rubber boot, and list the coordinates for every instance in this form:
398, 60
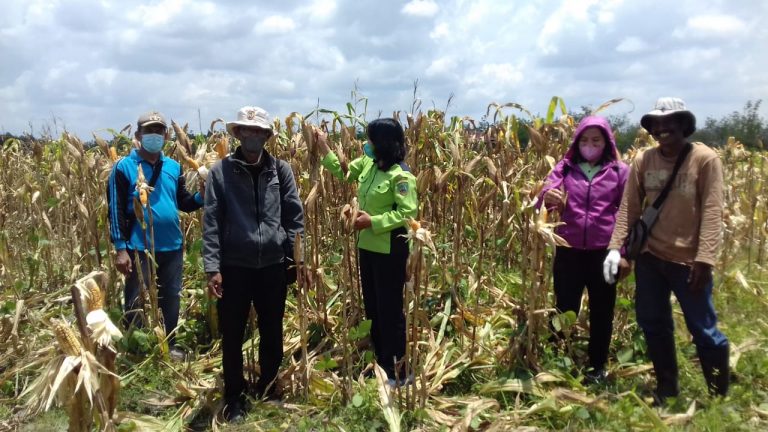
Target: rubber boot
714, 364
661, 350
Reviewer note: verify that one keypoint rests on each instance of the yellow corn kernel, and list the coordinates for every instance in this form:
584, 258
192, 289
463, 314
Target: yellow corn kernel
192, 163
95, 298
113, 154
143, 197
414, 224
222, 147
68, 341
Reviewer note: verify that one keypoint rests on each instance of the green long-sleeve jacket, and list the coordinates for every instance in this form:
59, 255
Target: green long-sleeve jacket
388, 196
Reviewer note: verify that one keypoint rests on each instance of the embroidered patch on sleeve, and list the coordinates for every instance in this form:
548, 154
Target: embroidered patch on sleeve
402, 188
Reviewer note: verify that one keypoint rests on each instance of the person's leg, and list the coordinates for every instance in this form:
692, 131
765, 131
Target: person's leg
233, 308
701, 319
602, 299
368, 281
269, 292
170, 266
133, 309
654, 316
569, 278
389, 271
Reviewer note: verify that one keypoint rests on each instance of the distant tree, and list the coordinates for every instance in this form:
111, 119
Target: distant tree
746, 126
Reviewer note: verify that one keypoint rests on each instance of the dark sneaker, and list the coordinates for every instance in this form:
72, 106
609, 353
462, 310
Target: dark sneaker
400, 382
234, 412
267, 392
595, 376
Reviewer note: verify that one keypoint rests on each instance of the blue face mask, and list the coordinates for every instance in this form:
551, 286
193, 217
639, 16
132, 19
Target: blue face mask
152, 143
368, 150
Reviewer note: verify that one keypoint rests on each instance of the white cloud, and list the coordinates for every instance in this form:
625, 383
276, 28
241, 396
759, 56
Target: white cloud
440, 31
320, 10
275, 24
632, 44
707, 26
421, 8
177, 55
158, 14
441, 66
101, 79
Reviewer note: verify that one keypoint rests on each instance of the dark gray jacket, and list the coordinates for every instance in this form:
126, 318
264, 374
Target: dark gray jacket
240, 230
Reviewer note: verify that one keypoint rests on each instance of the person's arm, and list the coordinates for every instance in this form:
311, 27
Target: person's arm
552, 192
187, 202
331, 162
631, 205
711, 192
213, 219
291, 210
118, 193
407, 205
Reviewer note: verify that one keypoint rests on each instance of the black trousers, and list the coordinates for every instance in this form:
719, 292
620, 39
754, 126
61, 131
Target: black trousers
383, 279
265, 288
170, 266
573, 270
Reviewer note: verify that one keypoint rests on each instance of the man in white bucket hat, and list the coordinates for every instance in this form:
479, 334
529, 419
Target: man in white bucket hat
681, 248
252, 215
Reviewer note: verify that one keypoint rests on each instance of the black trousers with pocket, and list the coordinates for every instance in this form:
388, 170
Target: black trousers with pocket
383, 279
266, 289
573, 270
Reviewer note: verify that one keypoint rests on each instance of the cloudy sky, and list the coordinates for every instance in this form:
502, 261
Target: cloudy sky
95, 64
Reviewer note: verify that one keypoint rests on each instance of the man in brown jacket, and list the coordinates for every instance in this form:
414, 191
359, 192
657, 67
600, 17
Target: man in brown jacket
681, 249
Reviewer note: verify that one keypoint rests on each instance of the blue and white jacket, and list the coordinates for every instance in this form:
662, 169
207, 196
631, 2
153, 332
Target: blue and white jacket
168, 197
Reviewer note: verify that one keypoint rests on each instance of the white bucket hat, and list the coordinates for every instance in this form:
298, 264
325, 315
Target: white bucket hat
670, 106
251, 116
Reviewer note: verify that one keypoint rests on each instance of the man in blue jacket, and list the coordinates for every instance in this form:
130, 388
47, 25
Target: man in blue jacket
168, 195
252, 215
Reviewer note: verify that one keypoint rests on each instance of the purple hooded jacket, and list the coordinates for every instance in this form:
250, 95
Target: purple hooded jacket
590, 207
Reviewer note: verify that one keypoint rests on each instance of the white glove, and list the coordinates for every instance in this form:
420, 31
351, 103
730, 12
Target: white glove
611, 265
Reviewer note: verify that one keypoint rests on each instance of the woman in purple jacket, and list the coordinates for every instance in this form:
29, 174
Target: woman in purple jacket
585, 187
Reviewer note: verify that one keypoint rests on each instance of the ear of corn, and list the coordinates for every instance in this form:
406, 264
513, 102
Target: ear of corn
68, 341
95, 298
192, 163
222, 146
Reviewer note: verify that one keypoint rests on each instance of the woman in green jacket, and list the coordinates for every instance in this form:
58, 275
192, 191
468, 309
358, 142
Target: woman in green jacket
386, 193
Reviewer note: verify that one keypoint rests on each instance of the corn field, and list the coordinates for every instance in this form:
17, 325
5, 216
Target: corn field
478, 298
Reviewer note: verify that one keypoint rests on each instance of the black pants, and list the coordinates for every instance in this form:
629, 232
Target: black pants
169, 272
383, 279
265, 288
573, 270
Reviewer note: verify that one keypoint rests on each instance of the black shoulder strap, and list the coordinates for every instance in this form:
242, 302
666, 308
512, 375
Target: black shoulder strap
664, 192
279, 166
156, 170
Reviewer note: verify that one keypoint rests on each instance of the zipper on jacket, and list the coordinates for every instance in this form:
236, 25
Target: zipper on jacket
586, 210
254, 185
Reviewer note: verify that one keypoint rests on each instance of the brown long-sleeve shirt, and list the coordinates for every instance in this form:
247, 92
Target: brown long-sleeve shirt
689, 225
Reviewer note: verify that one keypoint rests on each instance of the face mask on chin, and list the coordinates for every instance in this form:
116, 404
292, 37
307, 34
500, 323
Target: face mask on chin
152, 143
